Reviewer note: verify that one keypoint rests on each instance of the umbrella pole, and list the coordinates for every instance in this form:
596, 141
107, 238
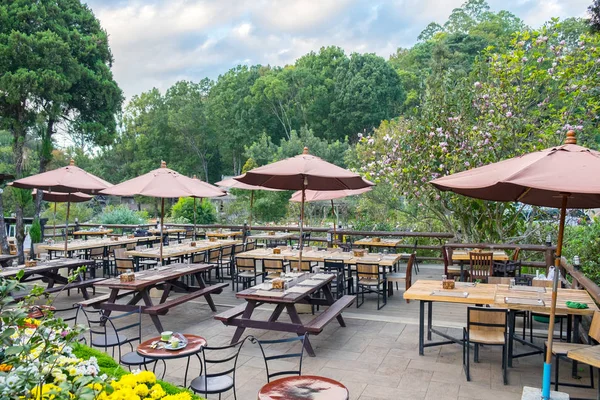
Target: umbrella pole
251, 206
194, 236
334, 223
162, 220
54, 225
67, 226
559, 243
301, 241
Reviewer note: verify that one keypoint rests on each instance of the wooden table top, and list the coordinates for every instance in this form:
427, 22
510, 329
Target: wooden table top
589, 355
461, 255
276, 236
151, 277
81, 244
155, 231
45, 266
385, 260
259, 294
224, 234
195, 344
382, 243
479, 294
93, 233
179, 250
304, 387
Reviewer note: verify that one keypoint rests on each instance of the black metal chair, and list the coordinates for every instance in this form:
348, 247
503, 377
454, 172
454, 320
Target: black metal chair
250, 245
245, 272
214, 257
272, 267
282, 356
341, 283
221, 381
371, 279
114, 331
485, 326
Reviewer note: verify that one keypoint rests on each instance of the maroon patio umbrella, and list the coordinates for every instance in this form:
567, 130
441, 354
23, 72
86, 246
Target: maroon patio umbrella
562, 177
303, 172
233, 184
55, 197
164, 183
69, 179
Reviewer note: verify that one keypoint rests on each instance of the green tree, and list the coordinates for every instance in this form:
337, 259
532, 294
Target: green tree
184, 209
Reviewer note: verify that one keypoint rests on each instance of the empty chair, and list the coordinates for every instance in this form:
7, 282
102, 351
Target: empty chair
450, 270
224, 359
481, 265
416, 261
485, 326
122, 262
238, 248
371, 279
226, 261
342, 282
402, 277
245, 272
214, 257
305, 266
272, 267
285, 354
250, 245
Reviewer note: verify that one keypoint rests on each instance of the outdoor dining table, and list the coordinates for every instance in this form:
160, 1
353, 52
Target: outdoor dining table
49, 272
495, 295
5, 259
153, 349
180, 251
167, 278
86, 245
304, 387
224, 234
85, 233
168, 232
461, 257
372, 242
300, 293
272, 236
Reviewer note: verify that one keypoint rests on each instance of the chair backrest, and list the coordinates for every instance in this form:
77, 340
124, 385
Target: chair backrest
214, 255
305, 266
250, 245
199, 258
486, 319
121, 260
272, 264
130, 246
243, 263
409, 268
227, 251
189, 234
368, 271
37, 250
515, 256
97, 252
284, 355
594, 331
330, 265
225, 357
482, 265
126, 327
239, 248
446, 260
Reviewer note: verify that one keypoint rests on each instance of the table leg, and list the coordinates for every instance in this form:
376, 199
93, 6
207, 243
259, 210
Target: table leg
166, 291
330, 301
148, 302
207, 297
276, 313
246, 315
429, 318
111, 300
291, 309
576, 323
511, 335
421, 326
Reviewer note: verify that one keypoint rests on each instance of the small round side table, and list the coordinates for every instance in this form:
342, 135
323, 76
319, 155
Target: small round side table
304, 387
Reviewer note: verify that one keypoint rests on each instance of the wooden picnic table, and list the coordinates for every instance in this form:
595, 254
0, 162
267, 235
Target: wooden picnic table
495, 295
372, 242
168, 232
167, 278
224, 234
85, 245
48, 271
180, 251
299, 293
275, 236
92, 233
461, 257
5, 259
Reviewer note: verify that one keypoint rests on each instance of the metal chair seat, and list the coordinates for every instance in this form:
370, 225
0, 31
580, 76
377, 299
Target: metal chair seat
108, 340
133, 358
214, 384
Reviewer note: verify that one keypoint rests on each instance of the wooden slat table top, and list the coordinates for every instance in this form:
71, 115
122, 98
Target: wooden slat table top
276, 236
563, 295
289, 298
320, 256
155, 231
81, 244
45, 266
93, 233
154, 276
181, 250
589, 355
224, 234
381, 243
479, 294
461, 255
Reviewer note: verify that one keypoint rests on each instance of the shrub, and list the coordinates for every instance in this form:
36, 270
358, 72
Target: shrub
121, 215
82, 211
184, 208
35, 232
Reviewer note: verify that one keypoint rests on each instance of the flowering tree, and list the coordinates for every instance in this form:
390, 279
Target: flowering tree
512, 103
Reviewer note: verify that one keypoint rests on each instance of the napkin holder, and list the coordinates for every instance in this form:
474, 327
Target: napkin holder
212, 239
376, 239
271, 233
193, 244
358, 253
278, 284
30, 263
276, 250
127, 277
448, 284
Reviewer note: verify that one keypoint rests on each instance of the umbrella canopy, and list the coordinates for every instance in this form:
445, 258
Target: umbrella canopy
57, 197
231, 183
322, 195
304, 171
67, 179
561, 177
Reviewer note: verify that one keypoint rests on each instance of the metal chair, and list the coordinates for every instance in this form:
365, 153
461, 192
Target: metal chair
218, 382
404, 277
371, 279
481, 265
283, 356
272, 267
341, 283
487, 326
245, 272
305, 266
250, 245
122, 262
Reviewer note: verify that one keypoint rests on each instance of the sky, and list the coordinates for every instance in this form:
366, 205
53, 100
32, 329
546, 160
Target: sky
155, 43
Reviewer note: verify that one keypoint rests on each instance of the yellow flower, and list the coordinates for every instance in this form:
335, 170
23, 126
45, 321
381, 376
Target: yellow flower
146, 377
72, 371
141, 390
48, 391
157, 392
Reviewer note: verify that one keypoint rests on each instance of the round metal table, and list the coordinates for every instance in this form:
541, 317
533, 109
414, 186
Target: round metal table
305, 387
194, 346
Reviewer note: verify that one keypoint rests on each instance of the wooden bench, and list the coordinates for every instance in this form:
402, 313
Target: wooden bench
101, 299
318, 323
163, 307
230, 314
69, 286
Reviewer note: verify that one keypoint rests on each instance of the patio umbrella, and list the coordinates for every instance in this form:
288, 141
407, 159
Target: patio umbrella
164, 183
209, 187
561, 177
69, 179
303, 172
323, 195
233, 184
55, 197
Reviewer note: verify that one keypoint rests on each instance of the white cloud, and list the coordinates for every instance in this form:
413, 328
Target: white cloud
243, 30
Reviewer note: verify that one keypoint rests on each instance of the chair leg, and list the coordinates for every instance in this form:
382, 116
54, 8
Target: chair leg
556, 373
504, 362
476, 353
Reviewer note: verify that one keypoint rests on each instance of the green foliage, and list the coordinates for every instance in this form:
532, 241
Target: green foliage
80, 211
584, 241
184, 211
35, 231
121, 215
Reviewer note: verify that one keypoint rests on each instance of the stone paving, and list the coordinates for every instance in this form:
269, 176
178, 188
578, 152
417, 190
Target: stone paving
375, 356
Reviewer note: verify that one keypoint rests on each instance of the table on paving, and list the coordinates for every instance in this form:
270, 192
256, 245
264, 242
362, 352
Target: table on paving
372, 242
49, 271
168, 278
224, 234
169, 232
86, 245
461, 257
276, 236
181, 251
85, 234
256, 296
304, 387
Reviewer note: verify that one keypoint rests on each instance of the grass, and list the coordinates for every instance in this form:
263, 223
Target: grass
111, 368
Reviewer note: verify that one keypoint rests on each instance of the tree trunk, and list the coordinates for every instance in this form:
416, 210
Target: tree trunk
18, 148
45, 155
3, 239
